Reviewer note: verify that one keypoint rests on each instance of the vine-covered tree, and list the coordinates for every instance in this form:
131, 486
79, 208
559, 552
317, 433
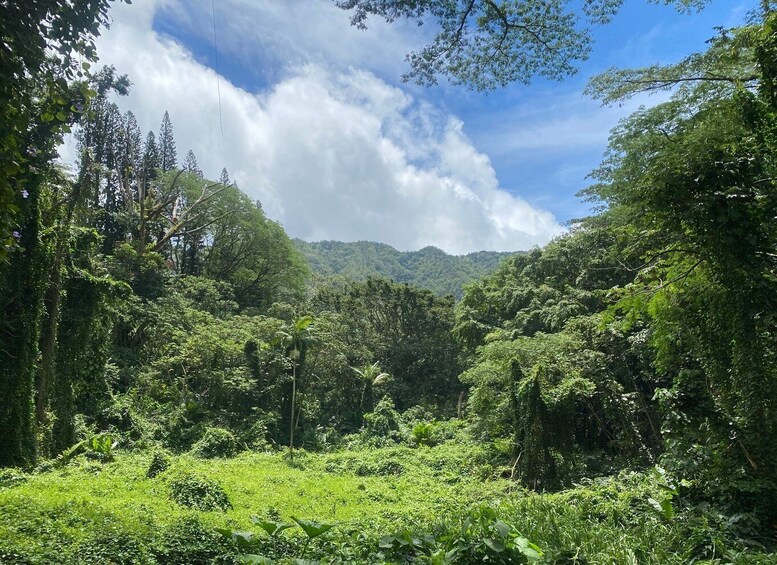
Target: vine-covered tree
47, 44
694, 178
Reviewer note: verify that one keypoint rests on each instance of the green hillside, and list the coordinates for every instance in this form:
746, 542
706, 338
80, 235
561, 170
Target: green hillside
429, 268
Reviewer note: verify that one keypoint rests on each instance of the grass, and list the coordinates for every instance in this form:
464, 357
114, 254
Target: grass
89, 512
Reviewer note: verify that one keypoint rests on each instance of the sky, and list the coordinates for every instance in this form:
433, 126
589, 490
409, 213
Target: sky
309, 116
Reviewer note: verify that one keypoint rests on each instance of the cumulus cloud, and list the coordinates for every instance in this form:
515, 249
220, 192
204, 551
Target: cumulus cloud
331, 153
267, 37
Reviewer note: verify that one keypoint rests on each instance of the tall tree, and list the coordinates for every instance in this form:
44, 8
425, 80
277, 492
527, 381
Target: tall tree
296, 338
695, 177
190, 164
105, 139
224, 178
152, 160
46, 45
129, 149
168, 159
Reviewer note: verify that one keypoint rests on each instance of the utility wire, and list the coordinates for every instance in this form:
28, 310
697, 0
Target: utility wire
218, 73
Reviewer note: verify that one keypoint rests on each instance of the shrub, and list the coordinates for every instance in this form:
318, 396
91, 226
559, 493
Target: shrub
10, 557
217, 442
185, 426
11, 477
255, 437
479, 537
188, 541
111, 546
200, 493
424, 433
382, 426
159, 464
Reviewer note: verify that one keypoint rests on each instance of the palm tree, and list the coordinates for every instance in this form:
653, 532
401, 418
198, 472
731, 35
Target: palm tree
370, 375
295, 339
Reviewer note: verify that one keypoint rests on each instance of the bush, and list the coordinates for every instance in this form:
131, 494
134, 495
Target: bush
382, 426
159, 464
200, 493
11, 477
10, 557
479, 537
111, 546
255, 437
188, 541
186, 426
424, 433
217, 442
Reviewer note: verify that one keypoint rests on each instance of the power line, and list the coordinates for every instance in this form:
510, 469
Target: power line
218, 72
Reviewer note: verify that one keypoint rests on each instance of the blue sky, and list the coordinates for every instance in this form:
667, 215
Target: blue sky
318, 126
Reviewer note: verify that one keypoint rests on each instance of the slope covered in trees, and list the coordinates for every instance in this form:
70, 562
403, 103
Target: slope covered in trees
429, 268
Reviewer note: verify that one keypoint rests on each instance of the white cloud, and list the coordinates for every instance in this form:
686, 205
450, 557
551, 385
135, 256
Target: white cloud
563, 125
331, 153
269, 36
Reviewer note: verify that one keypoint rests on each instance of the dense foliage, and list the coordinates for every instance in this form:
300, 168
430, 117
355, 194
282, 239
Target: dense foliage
161, 333
428, 268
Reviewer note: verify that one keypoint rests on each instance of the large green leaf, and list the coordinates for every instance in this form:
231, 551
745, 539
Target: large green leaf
313, 529
272, 528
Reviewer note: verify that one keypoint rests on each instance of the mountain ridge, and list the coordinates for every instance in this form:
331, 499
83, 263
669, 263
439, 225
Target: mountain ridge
429, 267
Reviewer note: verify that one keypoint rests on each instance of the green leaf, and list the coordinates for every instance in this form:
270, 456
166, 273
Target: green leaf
387, 542
313, 529
272, 528
663, 508
502, 528
529, 550
244, 540
495, 545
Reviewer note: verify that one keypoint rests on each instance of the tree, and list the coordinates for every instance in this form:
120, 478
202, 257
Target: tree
409, 329
486, 44
694, 178
152, 160
190, 164
369, 375
167, 155
253, 253
47, 45
295, 339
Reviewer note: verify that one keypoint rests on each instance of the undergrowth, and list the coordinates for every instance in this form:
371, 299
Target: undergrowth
390, 505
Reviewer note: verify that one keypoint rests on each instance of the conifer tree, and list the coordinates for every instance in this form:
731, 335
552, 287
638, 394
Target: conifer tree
151, 159
190, 164
130, 149
224, 178
167, 154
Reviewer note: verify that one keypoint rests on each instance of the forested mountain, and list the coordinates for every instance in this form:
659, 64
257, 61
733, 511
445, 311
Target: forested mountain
429, 268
